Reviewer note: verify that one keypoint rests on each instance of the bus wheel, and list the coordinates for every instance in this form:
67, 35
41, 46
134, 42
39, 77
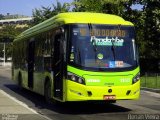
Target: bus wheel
113, 101
20, 81
47, 92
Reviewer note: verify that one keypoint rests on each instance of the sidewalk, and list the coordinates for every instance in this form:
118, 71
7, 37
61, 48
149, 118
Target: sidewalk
5, 67
6, 64
11, 108
151, 89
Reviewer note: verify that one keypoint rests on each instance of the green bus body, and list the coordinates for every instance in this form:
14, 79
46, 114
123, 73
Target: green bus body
78, 57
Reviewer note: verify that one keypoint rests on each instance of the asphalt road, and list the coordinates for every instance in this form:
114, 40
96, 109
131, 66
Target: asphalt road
147, 107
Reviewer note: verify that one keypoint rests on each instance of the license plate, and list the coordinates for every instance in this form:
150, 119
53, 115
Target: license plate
109, 97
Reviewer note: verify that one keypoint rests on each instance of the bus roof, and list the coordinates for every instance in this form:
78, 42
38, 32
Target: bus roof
74, 17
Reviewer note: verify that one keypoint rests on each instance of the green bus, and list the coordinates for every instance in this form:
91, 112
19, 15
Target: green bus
78, 56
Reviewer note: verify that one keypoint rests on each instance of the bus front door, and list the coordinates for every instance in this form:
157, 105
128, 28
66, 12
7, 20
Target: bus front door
58, 68
31, 48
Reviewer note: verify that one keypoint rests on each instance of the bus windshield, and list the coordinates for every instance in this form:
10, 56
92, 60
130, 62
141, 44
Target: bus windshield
103, 47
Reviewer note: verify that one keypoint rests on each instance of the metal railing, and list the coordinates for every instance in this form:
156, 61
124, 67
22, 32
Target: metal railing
151, 80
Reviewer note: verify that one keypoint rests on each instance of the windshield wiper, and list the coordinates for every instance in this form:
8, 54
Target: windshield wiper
94, 45
113, 46
94, 48
113, 50
93, 40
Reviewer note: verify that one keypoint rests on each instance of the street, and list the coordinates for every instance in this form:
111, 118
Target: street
34, 106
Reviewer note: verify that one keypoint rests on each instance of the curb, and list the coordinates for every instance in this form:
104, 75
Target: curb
6, 66
150, 89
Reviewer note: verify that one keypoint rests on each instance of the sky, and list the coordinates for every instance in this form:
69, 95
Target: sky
25, 7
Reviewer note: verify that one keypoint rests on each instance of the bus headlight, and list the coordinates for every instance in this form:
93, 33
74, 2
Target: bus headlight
75, 78
136, 78
80, 80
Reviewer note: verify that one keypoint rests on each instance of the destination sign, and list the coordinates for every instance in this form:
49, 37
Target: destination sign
103, 32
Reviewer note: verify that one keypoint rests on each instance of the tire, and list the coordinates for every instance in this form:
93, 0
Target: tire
113, 101
47, 92
20, 81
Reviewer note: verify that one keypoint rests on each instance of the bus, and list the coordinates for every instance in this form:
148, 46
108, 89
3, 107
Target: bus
78, 56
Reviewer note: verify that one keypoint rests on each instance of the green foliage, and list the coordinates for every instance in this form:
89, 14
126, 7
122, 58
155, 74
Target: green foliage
87, 5
7, 35
136, 17
9, 32
1, 16
45, 13
104, 6
152, 28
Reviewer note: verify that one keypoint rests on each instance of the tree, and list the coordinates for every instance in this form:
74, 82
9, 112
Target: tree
87, 5
137, 18
45, 13
152, 28
7, 35
1, 16
102, 6
147, 23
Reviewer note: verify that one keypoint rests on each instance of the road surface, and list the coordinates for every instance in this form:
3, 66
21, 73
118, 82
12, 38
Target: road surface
28, 105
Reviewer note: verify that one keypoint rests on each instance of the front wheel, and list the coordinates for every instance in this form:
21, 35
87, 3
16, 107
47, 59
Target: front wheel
20, 81
47, 92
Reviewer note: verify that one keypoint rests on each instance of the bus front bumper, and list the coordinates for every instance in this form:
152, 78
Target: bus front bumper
78, 92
